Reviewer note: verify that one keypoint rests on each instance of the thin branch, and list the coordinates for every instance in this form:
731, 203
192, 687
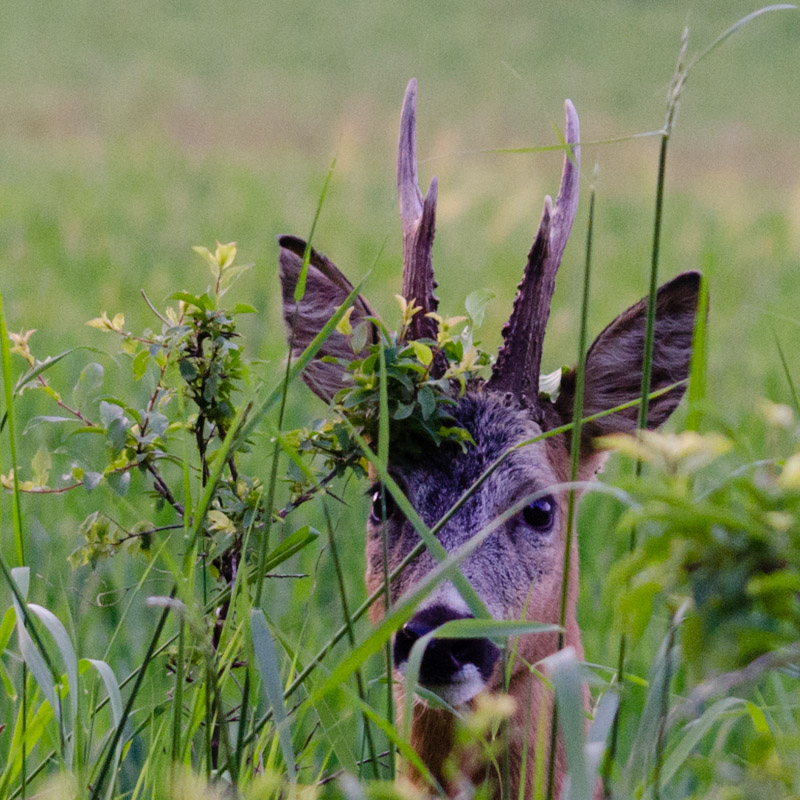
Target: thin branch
164, 490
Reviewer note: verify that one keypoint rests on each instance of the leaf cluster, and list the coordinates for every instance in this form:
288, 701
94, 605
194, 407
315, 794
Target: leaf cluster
422, 380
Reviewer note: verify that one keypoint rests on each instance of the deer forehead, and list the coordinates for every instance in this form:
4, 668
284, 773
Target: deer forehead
443, 476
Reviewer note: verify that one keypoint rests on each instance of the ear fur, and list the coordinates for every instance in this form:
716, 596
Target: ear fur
613, 373
326, 289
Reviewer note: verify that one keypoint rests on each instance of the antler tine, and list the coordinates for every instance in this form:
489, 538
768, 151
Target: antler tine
418, 216
519, 359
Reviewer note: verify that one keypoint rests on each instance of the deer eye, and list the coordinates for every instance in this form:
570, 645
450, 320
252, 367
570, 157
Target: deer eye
540, 514
376, 512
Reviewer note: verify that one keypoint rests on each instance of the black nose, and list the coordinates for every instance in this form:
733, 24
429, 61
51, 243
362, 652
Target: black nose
443, 658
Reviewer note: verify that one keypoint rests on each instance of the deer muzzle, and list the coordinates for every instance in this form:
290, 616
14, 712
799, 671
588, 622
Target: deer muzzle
456, 669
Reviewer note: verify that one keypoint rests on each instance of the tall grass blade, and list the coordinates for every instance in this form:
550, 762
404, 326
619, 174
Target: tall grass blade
564, 672
736, 27
673, 97
5, 360
383, 455
177, 710
43, 675
787, 372
115, 700
692, 735
651, 715
399, 742
350, 634
599, 731
267, 663
60, 636
300, 287
696, 393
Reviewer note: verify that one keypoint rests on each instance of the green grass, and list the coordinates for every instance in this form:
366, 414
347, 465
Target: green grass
130, 133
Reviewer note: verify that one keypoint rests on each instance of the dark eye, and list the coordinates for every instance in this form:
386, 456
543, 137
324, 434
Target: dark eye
379, 498
540, 514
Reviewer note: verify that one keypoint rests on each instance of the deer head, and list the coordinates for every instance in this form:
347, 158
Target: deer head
518, 570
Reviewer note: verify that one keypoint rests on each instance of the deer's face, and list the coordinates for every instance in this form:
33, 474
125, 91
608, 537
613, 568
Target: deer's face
516, 570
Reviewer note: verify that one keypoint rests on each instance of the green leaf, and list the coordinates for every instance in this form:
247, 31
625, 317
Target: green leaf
91, 480
41, 464
427, 402
403, 411
231, 274
476, 303
35, 422
200, 301
244, 308
358, 339
187, 369
290, 545
116, 434
88, 385
209, 258
40, 367
6, 628
422, 352
120, 482
140, 362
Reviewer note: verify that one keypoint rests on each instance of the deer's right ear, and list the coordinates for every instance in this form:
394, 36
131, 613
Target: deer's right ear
326, 289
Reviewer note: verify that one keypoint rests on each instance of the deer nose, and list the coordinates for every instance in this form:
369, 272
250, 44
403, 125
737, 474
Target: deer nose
445, 661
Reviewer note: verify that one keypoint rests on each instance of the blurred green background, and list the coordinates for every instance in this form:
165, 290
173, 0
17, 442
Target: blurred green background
131, 131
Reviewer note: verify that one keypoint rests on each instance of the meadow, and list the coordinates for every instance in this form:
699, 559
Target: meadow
132, 132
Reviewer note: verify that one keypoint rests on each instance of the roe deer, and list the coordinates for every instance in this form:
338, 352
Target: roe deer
518, 570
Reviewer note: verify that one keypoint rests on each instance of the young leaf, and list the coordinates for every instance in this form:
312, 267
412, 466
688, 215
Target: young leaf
476, 304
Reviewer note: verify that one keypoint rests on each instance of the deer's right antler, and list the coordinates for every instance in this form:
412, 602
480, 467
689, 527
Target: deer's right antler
519, 360
418, 216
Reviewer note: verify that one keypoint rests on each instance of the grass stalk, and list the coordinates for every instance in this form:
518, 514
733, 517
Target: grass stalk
178, 696
383, 455
673, 98
337, 564
8, 390
575, 453
787, 372
696, 394
661, 738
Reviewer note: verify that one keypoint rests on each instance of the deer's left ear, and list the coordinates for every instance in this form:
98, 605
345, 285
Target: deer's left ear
613, 374
326, 289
